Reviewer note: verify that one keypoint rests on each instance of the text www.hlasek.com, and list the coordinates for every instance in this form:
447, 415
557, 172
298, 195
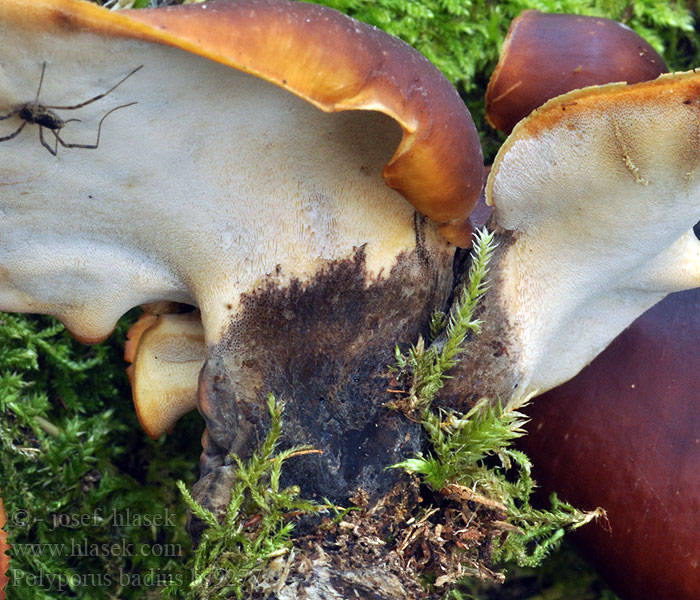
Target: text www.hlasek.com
40, 554
65, 581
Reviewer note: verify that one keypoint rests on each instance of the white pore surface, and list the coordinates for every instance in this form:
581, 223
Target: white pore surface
602, 205
214, 180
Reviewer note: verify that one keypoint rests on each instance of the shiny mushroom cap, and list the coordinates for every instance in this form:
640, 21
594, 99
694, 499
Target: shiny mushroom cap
545, 55
629, 439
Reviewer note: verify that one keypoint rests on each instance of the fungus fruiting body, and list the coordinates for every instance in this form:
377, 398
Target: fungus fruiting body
545, 55
578, 192
629, 440
229, 190
622, 434
167, 352
226, 188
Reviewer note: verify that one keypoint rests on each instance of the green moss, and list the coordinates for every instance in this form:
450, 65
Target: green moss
233, 554
463, 37
562, 576
427, 366
92, 509
471, 460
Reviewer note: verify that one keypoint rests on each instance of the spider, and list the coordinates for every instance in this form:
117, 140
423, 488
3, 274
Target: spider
45, 117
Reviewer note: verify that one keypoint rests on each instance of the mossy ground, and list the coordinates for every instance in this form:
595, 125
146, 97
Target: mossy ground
92, 504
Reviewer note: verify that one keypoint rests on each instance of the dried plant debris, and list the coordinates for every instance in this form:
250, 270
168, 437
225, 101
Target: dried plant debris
479, 514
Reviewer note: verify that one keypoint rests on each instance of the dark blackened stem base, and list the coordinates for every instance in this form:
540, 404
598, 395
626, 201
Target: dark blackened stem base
323, 348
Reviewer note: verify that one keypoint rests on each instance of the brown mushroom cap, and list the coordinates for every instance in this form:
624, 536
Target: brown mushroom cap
330, 60
133, 337
167, 353
625, 434
545, 55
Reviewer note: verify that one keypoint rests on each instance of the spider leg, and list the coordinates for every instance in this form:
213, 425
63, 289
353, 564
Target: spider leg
95, 98
15, 134
99, 129
41, 80
10, 114
53, 150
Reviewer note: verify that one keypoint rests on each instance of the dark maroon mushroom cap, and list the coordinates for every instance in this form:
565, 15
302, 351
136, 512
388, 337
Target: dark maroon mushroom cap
545, 55
625, 435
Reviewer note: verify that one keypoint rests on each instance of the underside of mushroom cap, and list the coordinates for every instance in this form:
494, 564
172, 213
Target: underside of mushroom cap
226, 135
598, 191
214, 188
331, 61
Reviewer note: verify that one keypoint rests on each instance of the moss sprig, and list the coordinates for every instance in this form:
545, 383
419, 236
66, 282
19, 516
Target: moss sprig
461, 465
257, 524
428, 366
471, 460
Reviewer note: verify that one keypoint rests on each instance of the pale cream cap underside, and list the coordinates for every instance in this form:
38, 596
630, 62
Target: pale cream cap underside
601, 189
